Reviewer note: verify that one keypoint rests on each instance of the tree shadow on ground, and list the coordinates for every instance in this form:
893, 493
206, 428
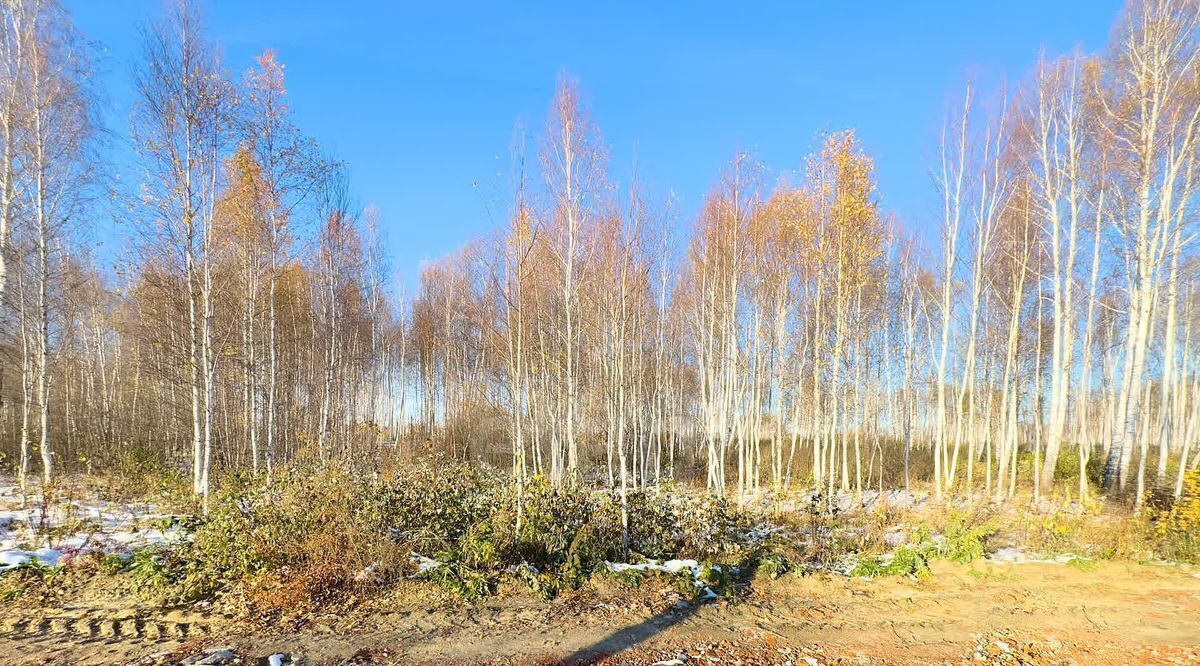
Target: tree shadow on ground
634, 635
631, 636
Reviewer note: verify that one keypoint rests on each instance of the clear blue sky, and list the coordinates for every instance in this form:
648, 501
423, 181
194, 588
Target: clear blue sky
421, 97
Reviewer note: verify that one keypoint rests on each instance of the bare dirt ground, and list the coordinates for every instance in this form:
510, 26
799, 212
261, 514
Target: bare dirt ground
1028, 613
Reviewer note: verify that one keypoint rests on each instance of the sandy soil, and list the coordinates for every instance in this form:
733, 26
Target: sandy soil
983, 613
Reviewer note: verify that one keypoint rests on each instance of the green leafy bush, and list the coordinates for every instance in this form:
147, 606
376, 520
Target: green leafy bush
775, 565
907, 560
114, 563
460, 579
155, 569
966, 537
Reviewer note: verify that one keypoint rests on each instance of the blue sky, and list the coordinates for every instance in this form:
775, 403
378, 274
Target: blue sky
421, 98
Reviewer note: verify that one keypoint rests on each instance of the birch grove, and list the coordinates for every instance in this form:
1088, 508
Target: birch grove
1033, 339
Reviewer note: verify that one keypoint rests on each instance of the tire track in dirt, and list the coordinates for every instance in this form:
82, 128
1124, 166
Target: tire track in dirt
103, 627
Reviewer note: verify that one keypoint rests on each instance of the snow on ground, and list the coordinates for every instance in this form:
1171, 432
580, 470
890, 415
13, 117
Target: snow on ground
32, 530
424, 563
672, 567
1012, 555
844, 501
45, 556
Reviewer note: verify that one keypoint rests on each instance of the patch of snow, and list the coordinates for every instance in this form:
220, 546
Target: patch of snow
762, 533
516, 569
93, 526
275, 660
47, 557
672, 567
424, 563
842, 567
1011, 555
1007, 555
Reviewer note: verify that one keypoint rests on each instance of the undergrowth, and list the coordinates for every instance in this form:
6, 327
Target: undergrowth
1175, 526
963, 539
29, 575
323, 532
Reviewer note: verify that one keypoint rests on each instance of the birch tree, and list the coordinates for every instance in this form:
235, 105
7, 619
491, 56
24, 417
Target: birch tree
181, 124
